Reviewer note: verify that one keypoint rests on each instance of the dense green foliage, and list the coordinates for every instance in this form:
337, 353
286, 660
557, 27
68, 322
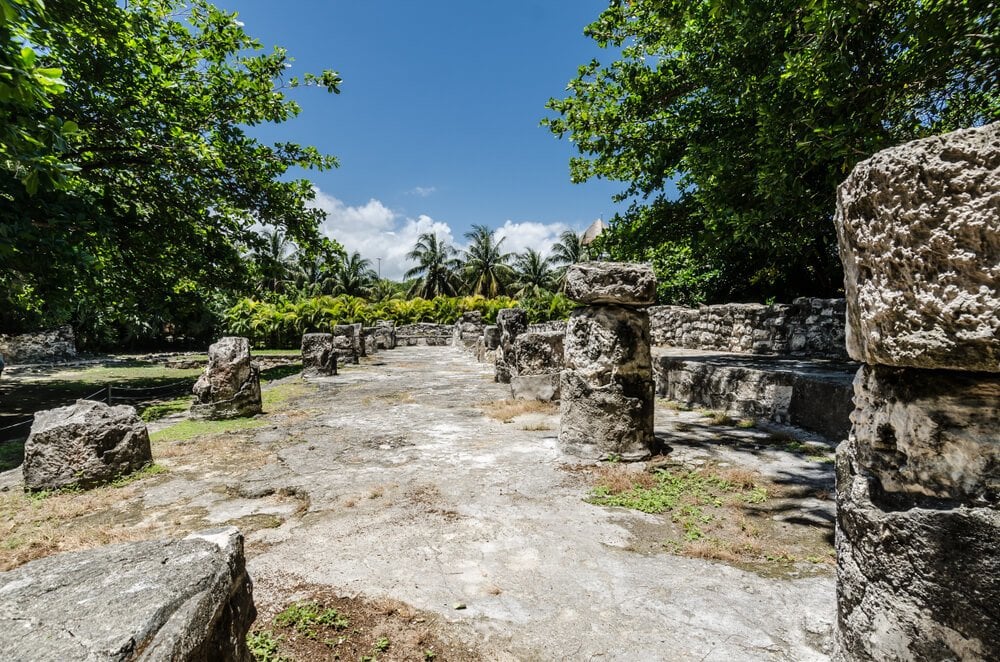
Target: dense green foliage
130, 187
755, 111
281, 323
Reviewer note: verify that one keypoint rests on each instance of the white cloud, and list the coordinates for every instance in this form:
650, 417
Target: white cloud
529, 234
422, 191
376, 231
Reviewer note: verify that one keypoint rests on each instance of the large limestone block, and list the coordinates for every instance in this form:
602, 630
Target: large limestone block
84, 445
230, 385
172, 600
929, 433
919, 234
318, 356
917, 579
491, 337
619, 283
607, 386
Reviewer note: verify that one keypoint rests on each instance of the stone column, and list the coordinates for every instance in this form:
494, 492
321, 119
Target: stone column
607, 386
918, 480
512, 322
468, 329
319, 359
345, 343
230, 385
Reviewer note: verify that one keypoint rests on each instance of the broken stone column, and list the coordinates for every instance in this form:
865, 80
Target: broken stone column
230, 385
918, 480
607, 386
319, 359
84, 445
538, 362
187, 599
511, 322
359, 339
384, 334
345, 343
468, 329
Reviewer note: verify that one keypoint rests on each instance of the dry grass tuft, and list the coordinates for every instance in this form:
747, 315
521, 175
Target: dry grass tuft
618, 478
507, 410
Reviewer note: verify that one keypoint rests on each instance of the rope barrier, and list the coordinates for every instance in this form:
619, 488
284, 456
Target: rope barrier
17, 425
162, 387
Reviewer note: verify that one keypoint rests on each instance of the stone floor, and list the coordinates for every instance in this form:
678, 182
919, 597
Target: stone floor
388, 481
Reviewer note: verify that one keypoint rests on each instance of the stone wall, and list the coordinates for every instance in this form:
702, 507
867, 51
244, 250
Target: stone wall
42, 347
424, 333
805, 327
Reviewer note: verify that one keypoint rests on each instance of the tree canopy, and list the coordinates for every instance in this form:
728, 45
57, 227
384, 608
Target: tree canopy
731, 123
157, 185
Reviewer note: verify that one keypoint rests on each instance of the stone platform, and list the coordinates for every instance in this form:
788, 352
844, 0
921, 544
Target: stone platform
812, 394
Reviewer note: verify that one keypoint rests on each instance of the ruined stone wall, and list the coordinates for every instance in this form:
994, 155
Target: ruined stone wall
42, 347
805, 327
424, 333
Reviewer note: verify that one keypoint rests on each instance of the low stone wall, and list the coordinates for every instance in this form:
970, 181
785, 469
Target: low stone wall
424, 333
42, 347
805, 327
815, 396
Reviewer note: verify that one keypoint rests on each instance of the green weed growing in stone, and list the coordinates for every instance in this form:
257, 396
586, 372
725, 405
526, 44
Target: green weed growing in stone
264, 646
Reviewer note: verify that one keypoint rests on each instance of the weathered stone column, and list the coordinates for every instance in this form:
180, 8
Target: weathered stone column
512, 322
607, 386
538, 362
345, 342
468, 329
319, 359
918, 480
230, 385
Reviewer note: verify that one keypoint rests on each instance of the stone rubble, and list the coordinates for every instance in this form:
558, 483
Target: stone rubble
918, 512
84, 445
41, 347
230, 385
607, 385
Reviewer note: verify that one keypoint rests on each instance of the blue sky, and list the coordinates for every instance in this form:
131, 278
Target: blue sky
437, 126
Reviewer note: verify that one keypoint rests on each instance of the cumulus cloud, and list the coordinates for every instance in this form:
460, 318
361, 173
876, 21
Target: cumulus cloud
376, 231
518, 237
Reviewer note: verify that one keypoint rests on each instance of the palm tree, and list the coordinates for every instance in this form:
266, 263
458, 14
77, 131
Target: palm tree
354, 275
487, 269
567, 251
384, 290
435, 270
533, 274
275, 260
314, 275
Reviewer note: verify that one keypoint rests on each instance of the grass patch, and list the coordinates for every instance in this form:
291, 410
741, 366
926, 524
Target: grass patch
280, 393
11, 454
157, 410
279, 372
326, 626
712, 512
674, 405
151, 469
507, 410
276, 352
746, 423
264, 646
190, 429
716, 417
536, 427
308, 618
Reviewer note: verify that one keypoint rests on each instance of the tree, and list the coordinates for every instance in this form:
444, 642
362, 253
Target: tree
486, 268
276, 261
435, 270
754, 112
354, 276
164, 182
533, 274
568, 250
